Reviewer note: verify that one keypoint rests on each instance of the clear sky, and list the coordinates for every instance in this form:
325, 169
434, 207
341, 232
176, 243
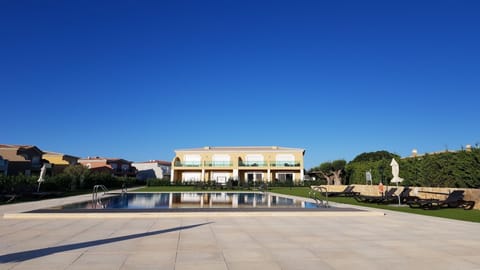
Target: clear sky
139, 79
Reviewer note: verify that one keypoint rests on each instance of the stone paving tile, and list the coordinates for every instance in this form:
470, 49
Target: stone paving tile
97, 260
7, 266
201, 266
199, 256
267, 265
286, 254
150, 260
161, 266
349, 262
197, 245
156, 244
247, 255
305, 265
474, 259
395, 241
54, 261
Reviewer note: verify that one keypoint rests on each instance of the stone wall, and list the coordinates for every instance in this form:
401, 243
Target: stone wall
422, 192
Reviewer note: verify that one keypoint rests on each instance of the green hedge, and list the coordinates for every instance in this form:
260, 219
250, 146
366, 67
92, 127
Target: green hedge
17, 184
459, 169
26, 184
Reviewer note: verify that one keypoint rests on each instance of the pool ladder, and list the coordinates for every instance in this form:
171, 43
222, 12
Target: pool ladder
96, 200
316, 196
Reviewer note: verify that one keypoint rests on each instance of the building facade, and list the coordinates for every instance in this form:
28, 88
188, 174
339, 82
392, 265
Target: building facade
245, 164
21, 159
151, 169
116, 166
59, 161
3, 166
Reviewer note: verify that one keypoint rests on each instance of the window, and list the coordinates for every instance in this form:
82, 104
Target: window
254, 177
191, 177
254, 160
220, 177
285, 160
35, 160
192, 160
221, 160
284, 177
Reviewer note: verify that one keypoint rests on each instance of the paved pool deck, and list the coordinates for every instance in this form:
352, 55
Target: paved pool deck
391, 241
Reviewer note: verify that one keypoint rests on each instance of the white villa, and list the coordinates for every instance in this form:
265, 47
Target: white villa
248, 163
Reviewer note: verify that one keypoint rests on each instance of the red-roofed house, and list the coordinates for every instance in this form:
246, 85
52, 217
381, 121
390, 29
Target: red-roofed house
116, 166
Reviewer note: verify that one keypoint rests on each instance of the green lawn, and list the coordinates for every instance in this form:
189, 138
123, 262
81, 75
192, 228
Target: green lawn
459, 214
167, 188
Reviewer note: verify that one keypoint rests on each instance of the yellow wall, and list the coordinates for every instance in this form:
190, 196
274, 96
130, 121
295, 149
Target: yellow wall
269, 157
268, 167
58, 159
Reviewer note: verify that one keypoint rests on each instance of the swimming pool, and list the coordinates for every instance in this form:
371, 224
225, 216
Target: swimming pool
190, 200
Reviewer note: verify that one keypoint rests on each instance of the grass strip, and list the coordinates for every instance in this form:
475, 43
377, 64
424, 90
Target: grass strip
451, 213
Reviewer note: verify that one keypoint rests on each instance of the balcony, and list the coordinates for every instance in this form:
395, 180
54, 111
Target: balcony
218, 164
187, 164
253, 164
283, 164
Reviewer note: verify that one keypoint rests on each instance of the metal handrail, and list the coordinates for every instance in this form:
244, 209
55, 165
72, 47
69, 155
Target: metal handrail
313, 194
95, 198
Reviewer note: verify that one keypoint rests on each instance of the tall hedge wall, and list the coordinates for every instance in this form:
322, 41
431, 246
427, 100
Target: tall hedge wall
449, 169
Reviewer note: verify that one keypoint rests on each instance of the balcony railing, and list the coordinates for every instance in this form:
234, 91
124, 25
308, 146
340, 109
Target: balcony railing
277, 164
253, 164
285, 164
218, 164
187, 164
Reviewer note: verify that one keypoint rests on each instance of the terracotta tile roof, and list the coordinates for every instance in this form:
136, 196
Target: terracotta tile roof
11, 154
99, 165
17, 147
104, 159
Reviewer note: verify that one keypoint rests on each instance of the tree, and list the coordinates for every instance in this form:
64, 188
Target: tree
375, 156
77, 174
331, 171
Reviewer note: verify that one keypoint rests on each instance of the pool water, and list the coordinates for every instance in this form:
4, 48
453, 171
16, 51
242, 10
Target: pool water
196, 200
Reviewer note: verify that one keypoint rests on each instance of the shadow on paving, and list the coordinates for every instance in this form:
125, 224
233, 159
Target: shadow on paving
36, 253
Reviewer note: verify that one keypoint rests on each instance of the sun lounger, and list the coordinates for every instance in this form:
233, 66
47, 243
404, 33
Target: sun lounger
454, 200
390, 195
347, 192
404, 197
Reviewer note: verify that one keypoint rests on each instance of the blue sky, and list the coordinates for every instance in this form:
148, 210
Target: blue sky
139, 79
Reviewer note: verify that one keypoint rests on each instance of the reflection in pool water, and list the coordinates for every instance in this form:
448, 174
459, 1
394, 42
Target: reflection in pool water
192, 200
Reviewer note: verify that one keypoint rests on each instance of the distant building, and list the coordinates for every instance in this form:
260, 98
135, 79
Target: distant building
116, 166
246, 164
20, 159
415, 154
158, 169
59, 161
3, 166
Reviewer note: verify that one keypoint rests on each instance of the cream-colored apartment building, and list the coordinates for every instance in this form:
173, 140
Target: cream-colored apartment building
246, 164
